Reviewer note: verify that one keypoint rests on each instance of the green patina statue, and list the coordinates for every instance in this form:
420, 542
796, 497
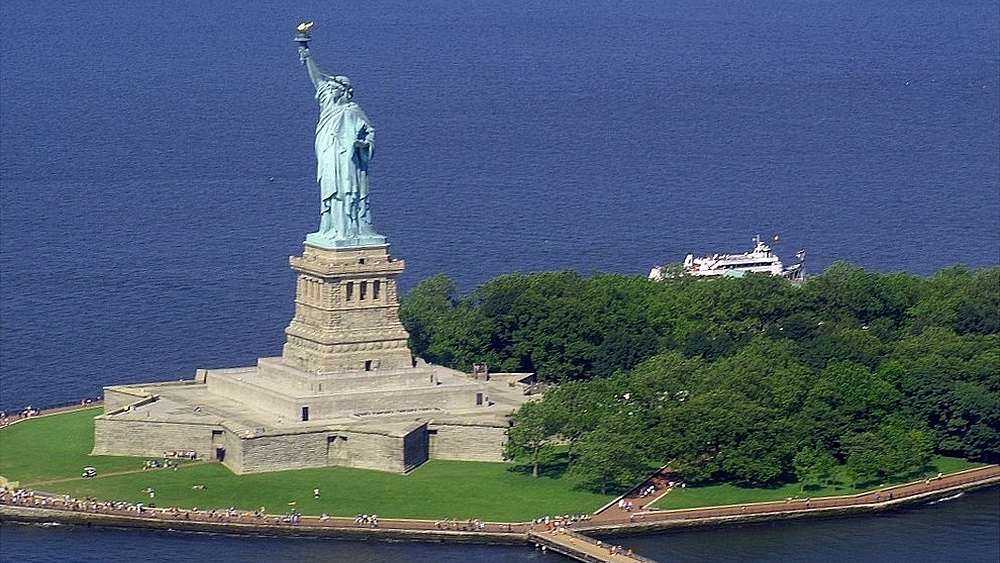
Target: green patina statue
345, 145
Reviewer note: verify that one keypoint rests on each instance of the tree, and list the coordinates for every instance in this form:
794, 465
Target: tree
813, 466
938, 299
609, 460
843, 344
462, 339
424, 310
574, 408
978, 307
951, 382
847, 293
531, 436
897, 447
760, 460
846, 399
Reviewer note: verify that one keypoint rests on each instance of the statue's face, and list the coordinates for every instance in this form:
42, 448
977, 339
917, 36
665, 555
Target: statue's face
339, 93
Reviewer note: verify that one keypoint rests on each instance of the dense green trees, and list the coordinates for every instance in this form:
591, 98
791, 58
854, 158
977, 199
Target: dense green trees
813, 466
896, 446
754, 381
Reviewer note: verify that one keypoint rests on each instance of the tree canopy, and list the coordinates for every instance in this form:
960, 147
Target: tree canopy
754, 381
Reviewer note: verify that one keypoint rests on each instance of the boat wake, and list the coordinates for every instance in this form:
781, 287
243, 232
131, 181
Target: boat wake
952, 497
35, 524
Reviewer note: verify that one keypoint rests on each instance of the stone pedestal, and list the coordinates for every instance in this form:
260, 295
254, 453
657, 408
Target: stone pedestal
346, 312
345, 390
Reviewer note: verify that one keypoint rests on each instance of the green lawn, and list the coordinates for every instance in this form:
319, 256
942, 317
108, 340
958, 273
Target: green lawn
56, 448
716, 495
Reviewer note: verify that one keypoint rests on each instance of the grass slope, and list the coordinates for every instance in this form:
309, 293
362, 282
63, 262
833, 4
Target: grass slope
56, 447
718, 495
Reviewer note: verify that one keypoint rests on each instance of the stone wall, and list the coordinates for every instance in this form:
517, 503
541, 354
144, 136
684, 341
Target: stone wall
320, 449
466, 443
274, 453
141, 438
118, 398
234, 452
259, 398
333, 405
442, 397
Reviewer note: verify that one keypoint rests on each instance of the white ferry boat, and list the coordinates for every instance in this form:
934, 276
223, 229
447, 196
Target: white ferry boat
758, 261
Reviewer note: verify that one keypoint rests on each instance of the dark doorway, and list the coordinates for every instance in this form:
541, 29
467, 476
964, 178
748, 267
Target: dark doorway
220, 454
305, 414
479, 399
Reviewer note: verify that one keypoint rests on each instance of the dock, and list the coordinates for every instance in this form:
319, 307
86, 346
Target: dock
583, 548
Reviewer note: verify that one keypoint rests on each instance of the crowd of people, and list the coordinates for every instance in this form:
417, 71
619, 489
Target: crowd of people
157, 464
8, 418
619, 550
472, 524
31, 498
366, 520
626, 505
555, 522
645, 491
613, 549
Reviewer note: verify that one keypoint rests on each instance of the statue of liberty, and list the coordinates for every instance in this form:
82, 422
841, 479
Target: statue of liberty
345, 145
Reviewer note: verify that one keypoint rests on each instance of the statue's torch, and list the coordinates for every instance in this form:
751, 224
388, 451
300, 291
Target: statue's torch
302, 37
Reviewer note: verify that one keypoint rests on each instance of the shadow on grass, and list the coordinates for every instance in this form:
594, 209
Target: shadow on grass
899, 478
553, 467
845, 487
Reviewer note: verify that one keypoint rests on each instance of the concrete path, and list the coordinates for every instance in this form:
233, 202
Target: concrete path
582, 548
873, 499
659, 481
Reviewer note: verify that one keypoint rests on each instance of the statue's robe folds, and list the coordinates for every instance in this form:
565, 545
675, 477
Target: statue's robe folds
342, 168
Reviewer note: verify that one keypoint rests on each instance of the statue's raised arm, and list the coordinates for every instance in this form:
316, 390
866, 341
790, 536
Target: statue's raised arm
302, 37
316, 75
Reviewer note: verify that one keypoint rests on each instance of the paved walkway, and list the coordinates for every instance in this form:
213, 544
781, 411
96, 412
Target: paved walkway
880, 497
582, 548
659, 481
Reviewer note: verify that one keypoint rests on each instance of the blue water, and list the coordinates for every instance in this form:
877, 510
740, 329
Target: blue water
156, 163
